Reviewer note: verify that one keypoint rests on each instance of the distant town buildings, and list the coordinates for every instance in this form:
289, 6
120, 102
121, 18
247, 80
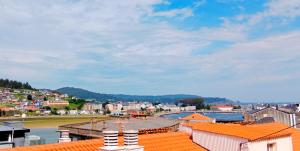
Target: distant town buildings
224, 108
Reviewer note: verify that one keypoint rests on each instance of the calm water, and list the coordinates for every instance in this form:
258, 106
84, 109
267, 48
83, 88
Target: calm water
217, 116
49, 134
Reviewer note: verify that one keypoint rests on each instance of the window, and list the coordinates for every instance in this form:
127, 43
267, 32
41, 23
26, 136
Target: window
271, 147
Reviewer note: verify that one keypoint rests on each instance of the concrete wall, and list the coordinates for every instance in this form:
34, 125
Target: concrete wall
217, 142
282, 144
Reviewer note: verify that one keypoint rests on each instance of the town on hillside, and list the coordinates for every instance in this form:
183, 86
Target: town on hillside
23, 109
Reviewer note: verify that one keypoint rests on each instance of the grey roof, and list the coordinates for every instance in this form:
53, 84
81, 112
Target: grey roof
253, 111
13, 124
5, 128
280, 110
265, 120
132, 124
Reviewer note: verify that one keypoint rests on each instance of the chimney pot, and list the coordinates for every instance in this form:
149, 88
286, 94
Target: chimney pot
130, 137
110, 138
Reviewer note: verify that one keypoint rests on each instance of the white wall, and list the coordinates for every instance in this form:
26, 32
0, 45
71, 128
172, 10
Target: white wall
283, 144
186, 129
217, 142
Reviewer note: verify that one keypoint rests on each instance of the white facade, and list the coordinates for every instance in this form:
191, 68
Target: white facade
118, 107
280, 144
73, 112
186, 129
109, 107
190, 108
61, 112
223, 108
219, 142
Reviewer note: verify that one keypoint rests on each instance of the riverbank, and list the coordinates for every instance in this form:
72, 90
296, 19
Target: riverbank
53, 121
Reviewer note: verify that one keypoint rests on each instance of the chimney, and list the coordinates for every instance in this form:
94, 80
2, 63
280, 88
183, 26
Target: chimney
131, 141
111, 141
64, 136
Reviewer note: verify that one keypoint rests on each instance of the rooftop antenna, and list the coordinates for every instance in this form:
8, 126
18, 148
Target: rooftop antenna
12, 135
120, 125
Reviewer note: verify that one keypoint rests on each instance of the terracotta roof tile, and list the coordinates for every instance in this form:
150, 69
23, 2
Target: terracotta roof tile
173, 141
196, 116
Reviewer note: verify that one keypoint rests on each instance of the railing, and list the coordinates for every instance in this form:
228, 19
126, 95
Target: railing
75, 129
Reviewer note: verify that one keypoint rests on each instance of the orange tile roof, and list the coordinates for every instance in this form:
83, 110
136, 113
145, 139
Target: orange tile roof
251, 132
173, 141
196, 116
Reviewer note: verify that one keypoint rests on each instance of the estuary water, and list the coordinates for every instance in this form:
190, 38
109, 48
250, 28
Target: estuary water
218, 116
48, 134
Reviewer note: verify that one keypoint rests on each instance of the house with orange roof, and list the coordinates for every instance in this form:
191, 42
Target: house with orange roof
197, 117
237, 137
194, 118
204, 137
172, 141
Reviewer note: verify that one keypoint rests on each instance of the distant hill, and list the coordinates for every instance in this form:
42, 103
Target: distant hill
85, 94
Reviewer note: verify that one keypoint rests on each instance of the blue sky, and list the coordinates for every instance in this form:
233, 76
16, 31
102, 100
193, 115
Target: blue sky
247, 50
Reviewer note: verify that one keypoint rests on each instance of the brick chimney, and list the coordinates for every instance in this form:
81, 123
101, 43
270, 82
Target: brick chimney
64, 136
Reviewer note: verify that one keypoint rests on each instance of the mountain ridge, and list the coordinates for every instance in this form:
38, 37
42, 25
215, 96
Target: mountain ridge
170, 98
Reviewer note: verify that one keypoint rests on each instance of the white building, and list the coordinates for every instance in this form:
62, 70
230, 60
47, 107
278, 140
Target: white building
236, 137
109, 107
61, 112
189, 108
172, 108
73, 112
224, 108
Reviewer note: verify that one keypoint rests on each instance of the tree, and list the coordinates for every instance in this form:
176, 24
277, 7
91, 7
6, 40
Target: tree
155, 103
29, 97
78, 103
54, 111
107, 111
198, 102
237, 107
14, 84
143, 109
104, 104
67, 108
47, 108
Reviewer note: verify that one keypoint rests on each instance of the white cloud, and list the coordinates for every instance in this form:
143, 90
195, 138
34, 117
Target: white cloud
181, 13
199, 3
64, 38
283, 11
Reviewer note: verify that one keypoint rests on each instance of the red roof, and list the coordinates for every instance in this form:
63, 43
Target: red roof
196, 116
173, 141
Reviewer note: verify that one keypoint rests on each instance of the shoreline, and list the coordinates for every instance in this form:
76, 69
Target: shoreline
52, 121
